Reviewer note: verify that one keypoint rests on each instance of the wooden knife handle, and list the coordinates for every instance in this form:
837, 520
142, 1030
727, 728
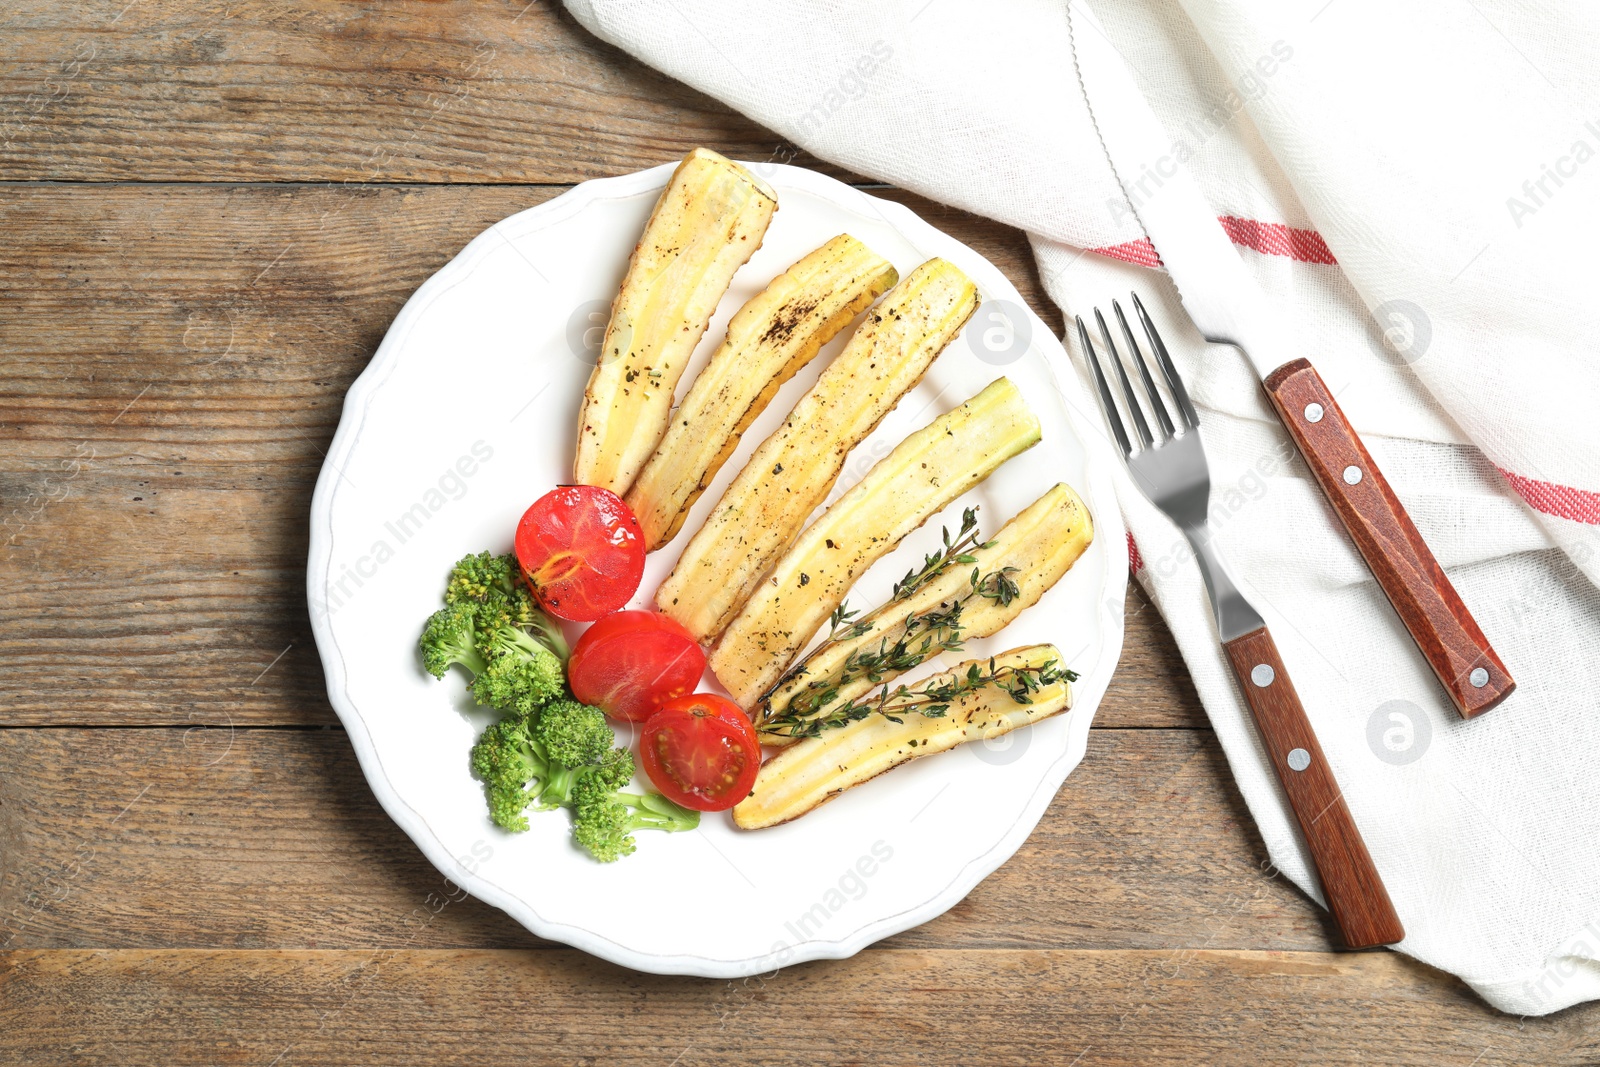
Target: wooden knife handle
1356, 896
1428, 604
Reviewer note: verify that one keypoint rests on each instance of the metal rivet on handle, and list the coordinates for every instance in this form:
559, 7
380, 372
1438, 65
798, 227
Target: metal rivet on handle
1479, 678
1313, 412
1262, 674
1299, 759
1352, 475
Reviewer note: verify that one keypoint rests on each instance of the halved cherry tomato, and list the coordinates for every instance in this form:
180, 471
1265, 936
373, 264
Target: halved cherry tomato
581, 552
632, 662
701, 752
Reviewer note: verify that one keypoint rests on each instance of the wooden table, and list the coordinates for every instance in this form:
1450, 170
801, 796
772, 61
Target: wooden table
214, 210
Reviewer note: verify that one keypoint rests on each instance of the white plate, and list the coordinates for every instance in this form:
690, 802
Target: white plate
466, 414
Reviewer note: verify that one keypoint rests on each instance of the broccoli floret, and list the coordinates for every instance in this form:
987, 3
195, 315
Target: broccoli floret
511, 670
477, 578
448, 638
491, 625
574, 734
492, 585
615, 769
513, 770
518, 680
508, 807
577, 742
604, 820
538, 760
600, 824
514, 760
504, 753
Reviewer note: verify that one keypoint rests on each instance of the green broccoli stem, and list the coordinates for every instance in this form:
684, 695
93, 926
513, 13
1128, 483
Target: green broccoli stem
548, 633
504, 638
467, 655
652, 811
555, 787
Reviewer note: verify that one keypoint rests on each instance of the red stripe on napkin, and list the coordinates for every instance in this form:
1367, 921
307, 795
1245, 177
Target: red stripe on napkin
1140, 253
1135, 561
1562, 501
1276, 239
1268, 238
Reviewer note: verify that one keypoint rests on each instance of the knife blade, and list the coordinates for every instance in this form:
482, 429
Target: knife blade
1228, 307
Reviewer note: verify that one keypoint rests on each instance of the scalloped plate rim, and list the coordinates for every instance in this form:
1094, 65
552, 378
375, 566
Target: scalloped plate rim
1096, 492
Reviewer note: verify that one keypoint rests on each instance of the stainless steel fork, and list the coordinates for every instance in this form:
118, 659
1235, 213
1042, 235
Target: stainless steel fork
1169, 465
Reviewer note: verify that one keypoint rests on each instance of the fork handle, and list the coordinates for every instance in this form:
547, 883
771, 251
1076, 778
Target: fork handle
1356, 896
1441, 625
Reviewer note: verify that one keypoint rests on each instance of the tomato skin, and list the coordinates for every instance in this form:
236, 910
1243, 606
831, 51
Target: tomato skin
701, 752
632, 662
581, 552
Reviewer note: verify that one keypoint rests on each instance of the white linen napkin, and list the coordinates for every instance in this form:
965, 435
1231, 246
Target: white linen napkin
1417, 186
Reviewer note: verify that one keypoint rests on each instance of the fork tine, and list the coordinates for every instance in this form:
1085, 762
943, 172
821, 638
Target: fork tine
1162, 418
1102, 390
1191, 419
1139, 425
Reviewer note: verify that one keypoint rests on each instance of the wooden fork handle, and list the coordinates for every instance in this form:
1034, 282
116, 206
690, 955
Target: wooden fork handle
1356, 896
1441, 625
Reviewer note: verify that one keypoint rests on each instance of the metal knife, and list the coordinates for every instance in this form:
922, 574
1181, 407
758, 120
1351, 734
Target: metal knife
1228, 307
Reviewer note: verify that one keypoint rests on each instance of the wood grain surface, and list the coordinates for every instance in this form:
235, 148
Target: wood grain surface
1117, 1008
346, 92
212, 211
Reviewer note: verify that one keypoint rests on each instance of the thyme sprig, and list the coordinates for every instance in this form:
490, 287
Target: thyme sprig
958, 550
922, 634
932, 700
845, 625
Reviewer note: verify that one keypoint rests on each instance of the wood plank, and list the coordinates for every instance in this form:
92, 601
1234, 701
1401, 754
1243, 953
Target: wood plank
131, 838
177, 357
1096, 1009
404, 91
